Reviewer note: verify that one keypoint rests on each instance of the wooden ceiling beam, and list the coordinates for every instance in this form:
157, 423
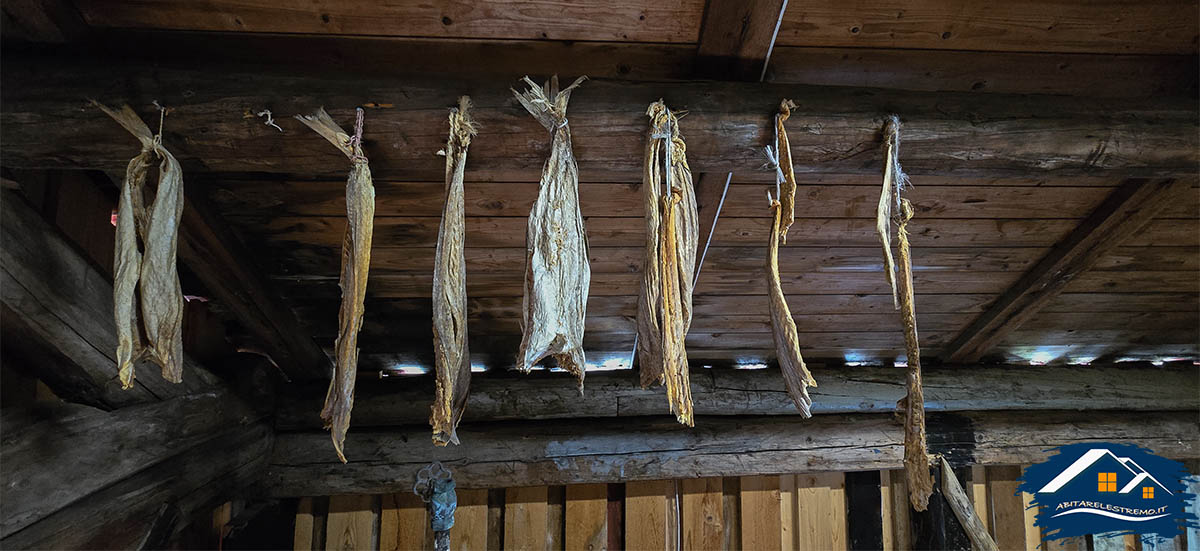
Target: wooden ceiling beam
226, 268
1125, 211
54, 299
213, 127
761, 392
617, 450
47, 21
737, 37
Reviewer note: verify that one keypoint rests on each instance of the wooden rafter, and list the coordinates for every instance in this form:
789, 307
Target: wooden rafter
219, 260
737, 37
1125, 211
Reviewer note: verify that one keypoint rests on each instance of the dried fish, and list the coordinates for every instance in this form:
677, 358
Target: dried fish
453, 363
557, 274
894, 180
152, 274
916, 454
796, 376
672, 235
356, 259
787, 186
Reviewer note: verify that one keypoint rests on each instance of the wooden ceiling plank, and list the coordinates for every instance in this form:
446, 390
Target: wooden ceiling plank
213, 127
1128, 209
618, 20
761, 392
52, 21
225, 267
614, 450
1118, 27
736, 38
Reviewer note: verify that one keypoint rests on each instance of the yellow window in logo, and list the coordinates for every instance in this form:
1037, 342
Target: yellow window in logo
1148, 492
1108, 482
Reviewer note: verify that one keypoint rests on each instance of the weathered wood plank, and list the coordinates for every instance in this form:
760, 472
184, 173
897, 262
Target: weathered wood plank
551, 452
302, 539
1160, 27
761, 392
351, 525
702, 514
646, 514
739, 283
1123, 213
525, 520
947, 133
120, 515
505, 19
985, 72
960, 504
736, 38
822, 505
897, 530
760, 512
1008, 510
898, 68
326, 197
403, 522
42, 458
470, 530
62, 301
587, 517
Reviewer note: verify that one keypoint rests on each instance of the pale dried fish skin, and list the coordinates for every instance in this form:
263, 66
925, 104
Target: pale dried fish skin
672, 237
796, 376
356, 261
557, 273
452, 356
787, 188
151, 273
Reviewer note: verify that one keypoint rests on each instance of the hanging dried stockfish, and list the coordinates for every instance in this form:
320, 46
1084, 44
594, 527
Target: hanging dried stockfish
916, 456
796, 376
672, 234
356, 259
894, 181
151, 273
785, 187
557, 274
450, 287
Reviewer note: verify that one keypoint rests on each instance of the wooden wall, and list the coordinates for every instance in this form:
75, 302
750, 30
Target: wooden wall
838, 511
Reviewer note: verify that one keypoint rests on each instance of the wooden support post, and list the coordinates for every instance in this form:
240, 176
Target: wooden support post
960, 504
1121, 215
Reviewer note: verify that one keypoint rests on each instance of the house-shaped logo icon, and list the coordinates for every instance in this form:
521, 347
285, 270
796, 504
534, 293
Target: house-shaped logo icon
1111, 472
1091, 488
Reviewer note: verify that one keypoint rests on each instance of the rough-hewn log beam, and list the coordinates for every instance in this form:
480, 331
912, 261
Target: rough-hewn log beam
53, 460
213, 126
1125, 211
42, 21
590, 450
736, 38
54, 299
120, 515
219, 260
761, 392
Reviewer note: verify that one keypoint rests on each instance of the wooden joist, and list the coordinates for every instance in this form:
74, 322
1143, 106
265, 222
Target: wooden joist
55, 300
975, 71
213, 127
123, 514
53, 460
227, 269
761, 392
585, 451
1125, 211
737, 37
